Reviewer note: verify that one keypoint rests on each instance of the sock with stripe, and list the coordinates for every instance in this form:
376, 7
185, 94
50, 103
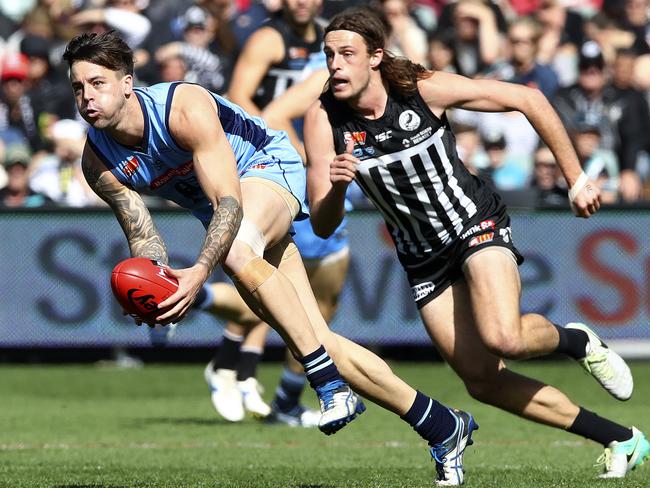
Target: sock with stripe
249, 358
430, 419
287, 394
204, 298
319, 368
228, 353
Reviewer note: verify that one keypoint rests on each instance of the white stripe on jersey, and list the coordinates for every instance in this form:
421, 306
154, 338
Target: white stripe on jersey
398, 211
464, 200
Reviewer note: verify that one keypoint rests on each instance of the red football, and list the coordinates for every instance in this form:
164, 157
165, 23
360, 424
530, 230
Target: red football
140, 284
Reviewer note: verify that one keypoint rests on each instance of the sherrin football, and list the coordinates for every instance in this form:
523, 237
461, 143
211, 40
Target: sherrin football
140, 284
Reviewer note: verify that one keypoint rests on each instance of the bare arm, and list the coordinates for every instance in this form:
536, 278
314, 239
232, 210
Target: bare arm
328, 175
445, 90
264, 48
132, 214
195, 125
293, 104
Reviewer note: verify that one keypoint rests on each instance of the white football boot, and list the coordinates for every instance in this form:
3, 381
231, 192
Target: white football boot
448, 454
339, 406
622, 457
251, 392
224, 393
605, 365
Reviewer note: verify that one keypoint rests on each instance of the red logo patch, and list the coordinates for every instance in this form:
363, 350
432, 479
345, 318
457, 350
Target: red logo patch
130, 166
483, 238
357, 137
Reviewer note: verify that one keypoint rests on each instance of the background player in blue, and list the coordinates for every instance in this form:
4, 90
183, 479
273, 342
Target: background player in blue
450, 230
278, 55
148, 140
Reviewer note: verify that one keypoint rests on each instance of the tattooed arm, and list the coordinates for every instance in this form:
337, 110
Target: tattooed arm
131, 212
195, 126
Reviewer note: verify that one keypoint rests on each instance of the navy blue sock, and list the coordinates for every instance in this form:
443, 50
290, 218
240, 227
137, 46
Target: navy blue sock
319, 368
287, 394
430, 419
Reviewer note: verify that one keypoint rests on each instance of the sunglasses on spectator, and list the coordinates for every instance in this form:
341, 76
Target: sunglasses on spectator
545, 163
521, 40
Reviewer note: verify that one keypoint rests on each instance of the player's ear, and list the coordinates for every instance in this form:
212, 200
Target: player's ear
376, 57
127, 83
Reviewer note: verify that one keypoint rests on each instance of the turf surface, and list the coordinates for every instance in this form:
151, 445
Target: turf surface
89, 427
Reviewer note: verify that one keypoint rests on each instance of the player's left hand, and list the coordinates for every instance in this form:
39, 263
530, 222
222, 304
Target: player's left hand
190, 281
587, 201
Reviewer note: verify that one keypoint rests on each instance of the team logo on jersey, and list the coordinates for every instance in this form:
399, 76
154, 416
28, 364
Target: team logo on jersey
130, 166
409, 120
384, 136
482, 239
505, 234
357, 137
422, 290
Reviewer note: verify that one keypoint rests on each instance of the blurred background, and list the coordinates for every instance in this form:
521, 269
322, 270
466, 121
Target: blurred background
591, 58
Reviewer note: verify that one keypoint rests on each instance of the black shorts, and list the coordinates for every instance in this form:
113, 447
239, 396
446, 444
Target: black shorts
430, 275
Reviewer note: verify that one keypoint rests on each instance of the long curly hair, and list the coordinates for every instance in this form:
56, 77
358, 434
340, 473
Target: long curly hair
400, 73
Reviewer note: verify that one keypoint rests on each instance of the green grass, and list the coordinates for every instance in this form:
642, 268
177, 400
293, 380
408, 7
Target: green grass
88, 427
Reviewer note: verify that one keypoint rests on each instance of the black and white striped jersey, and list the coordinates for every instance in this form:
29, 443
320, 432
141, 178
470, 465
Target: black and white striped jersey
297, 54
411, 171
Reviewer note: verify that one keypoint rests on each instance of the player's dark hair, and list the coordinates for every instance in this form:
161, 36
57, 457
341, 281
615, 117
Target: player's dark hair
107, 49
400, 73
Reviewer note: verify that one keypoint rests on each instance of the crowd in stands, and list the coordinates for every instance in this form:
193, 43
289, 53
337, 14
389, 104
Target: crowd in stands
591, 58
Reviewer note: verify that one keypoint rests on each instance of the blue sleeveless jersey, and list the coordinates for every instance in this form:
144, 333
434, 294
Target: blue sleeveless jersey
159, 166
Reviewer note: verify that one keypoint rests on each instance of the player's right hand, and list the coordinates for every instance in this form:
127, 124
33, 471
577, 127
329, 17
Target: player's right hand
343, 168
587, 202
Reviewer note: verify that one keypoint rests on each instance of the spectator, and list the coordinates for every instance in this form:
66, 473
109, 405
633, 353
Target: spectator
48, 89
17, 193
441, 51
598, 163
503, 174
59, 175
621, 128
562, 34
122, 15
16, 106
468, 146
203, 66
523, 67
406, 38
172, 68
546, 175
478, 42
636, 19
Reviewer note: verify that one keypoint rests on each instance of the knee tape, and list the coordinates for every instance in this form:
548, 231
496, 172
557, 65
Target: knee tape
250, 235
253, 274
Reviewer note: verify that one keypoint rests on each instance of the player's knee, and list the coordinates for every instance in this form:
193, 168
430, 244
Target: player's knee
253, 274
506, 345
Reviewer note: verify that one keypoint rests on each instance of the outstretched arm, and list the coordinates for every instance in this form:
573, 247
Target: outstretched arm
132, 214
195, 125
445, 90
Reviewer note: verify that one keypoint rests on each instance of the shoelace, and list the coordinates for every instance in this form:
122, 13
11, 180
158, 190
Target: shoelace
598, 363
327, 391
605, 459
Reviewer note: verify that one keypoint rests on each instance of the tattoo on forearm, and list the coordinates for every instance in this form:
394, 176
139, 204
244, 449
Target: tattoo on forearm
221, 232
132, 214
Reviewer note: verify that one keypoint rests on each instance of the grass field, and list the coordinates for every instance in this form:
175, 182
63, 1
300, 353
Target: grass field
89, 427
